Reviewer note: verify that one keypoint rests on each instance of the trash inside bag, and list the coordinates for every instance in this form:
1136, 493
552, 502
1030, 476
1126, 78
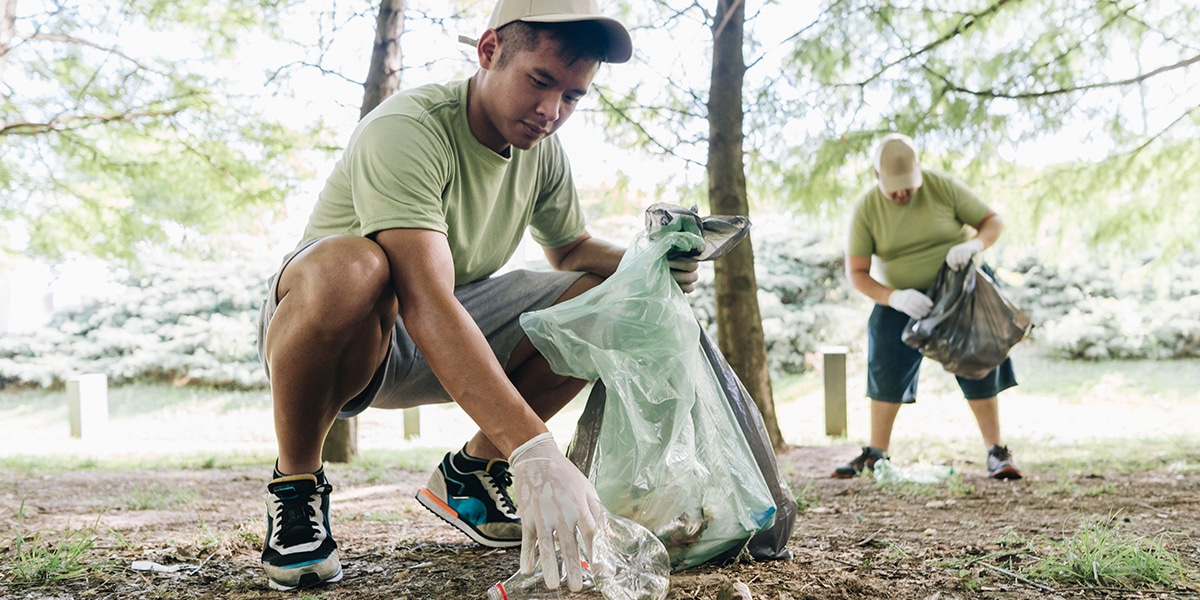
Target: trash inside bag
971, 327
885, 473
670, 454
720, 232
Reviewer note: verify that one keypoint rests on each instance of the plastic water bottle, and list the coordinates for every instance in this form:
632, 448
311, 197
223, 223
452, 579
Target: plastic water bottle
533, 587
630, 563
885, 472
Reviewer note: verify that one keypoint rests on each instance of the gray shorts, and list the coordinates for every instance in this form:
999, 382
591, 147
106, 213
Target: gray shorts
404, 379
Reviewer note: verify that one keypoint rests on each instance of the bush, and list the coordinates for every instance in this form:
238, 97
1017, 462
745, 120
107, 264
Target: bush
173, 320
1120, 309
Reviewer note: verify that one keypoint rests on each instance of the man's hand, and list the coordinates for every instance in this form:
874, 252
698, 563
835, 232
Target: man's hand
963, 253
553, 499
684, 272
910, 302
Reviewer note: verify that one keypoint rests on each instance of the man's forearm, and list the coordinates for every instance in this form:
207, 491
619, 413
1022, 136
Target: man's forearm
588, 255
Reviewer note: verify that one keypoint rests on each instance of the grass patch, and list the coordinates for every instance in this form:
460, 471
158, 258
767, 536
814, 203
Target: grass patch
245, 538
36, 466
157, 497
48, 557
1098, 554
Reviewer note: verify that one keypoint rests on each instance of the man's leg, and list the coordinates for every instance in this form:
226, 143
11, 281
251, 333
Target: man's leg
883, 417
328, 334
987, 416
1000, 463
892, 371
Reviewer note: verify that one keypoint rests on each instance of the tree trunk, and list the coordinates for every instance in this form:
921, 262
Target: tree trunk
739, 323
383, 77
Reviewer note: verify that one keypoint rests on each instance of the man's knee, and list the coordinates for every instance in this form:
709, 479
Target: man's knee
339, 276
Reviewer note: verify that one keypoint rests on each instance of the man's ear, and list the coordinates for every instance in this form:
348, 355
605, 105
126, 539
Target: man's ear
488, 48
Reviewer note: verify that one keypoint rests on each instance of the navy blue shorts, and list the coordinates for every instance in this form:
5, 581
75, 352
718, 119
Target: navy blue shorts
892, 366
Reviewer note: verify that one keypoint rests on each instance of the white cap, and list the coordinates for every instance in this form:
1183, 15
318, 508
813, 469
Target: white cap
620, 45
896, 163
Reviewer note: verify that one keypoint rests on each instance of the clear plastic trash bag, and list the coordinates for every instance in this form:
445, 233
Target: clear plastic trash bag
670, 455
971, 327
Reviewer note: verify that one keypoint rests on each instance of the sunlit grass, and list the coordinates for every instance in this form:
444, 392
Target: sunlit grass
48, 557
1099, 554
157, 497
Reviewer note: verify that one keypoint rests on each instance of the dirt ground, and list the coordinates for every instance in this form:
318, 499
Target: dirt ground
854, 539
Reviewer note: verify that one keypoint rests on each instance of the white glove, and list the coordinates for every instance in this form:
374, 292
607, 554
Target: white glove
684, 272
963, 253
553, 499
910, 302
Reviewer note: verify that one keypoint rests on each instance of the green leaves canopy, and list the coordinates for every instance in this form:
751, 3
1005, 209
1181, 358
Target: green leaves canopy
114, 138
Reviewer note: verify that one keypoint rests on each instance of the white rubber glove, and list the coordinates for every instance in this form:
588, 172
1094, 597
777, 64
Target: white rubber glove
553, 499
684, 272
910, 302
963, 253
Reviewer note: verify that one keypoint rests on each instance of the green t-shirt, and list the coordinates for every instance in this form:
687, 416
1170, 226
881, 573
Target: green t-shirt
413, 163
910, 241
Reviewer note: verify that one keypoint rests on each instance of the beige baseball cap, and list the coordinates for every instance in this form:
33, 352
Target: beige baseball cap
896, 163
620, 45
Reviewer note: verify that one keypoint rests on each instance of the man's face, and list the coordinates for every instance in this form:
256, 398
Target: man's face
900, 197
532, 95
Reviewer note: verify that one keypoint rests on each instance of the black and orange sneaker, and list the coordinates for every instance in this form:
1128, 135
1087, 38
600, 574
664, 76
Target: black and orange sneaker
299, 551
1000, 463
472, 495
864, 461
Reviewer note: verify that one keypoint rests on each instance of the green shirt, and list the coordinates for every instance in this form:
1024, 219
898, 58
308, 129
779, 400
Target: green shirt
910, 241
413, 163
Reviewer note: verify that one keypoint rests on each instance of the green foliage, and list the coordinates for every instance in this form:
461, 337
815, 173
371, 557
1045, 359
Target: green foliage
114, 144
172, 320
985, 88
1099, 554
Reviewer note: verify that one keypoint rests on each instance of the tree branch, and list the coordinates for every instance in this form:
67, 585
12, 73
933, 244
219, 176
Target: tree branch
1067, 90
56, 37
80, 121
967, 22
642, 130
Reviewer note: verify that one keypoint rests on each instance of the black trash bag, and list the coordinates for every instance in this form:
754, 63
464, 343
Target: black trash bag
971, 327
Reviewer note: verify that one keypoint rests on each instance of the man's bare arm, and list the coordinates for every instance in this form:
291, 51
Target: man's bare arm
457, 351
858, 271
586, 254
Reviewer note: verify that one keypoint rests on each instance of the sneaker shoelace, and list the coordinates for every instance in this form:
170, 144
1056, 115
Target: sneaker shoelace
297, 519
501, 479
1001, 453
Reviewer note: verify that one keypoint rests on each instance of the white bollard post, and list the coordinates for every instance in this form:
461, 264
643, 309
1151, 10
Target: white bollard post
87, 403
835, 390
412, 422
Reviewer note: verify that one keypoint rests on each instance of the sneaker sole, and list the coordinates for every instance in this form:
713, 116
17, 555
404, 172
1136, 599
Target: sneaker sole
836, 475
1007, 472
307, 580
435, 505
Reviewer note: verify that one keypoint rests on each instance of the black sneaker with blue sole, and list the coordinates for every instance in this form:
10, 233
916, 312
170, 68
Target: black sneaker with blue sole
473, 496
299, 551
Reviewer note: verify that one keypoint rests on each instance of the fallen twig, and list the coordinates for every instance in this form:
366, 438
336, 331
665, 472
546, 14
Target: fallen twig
1016, 577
